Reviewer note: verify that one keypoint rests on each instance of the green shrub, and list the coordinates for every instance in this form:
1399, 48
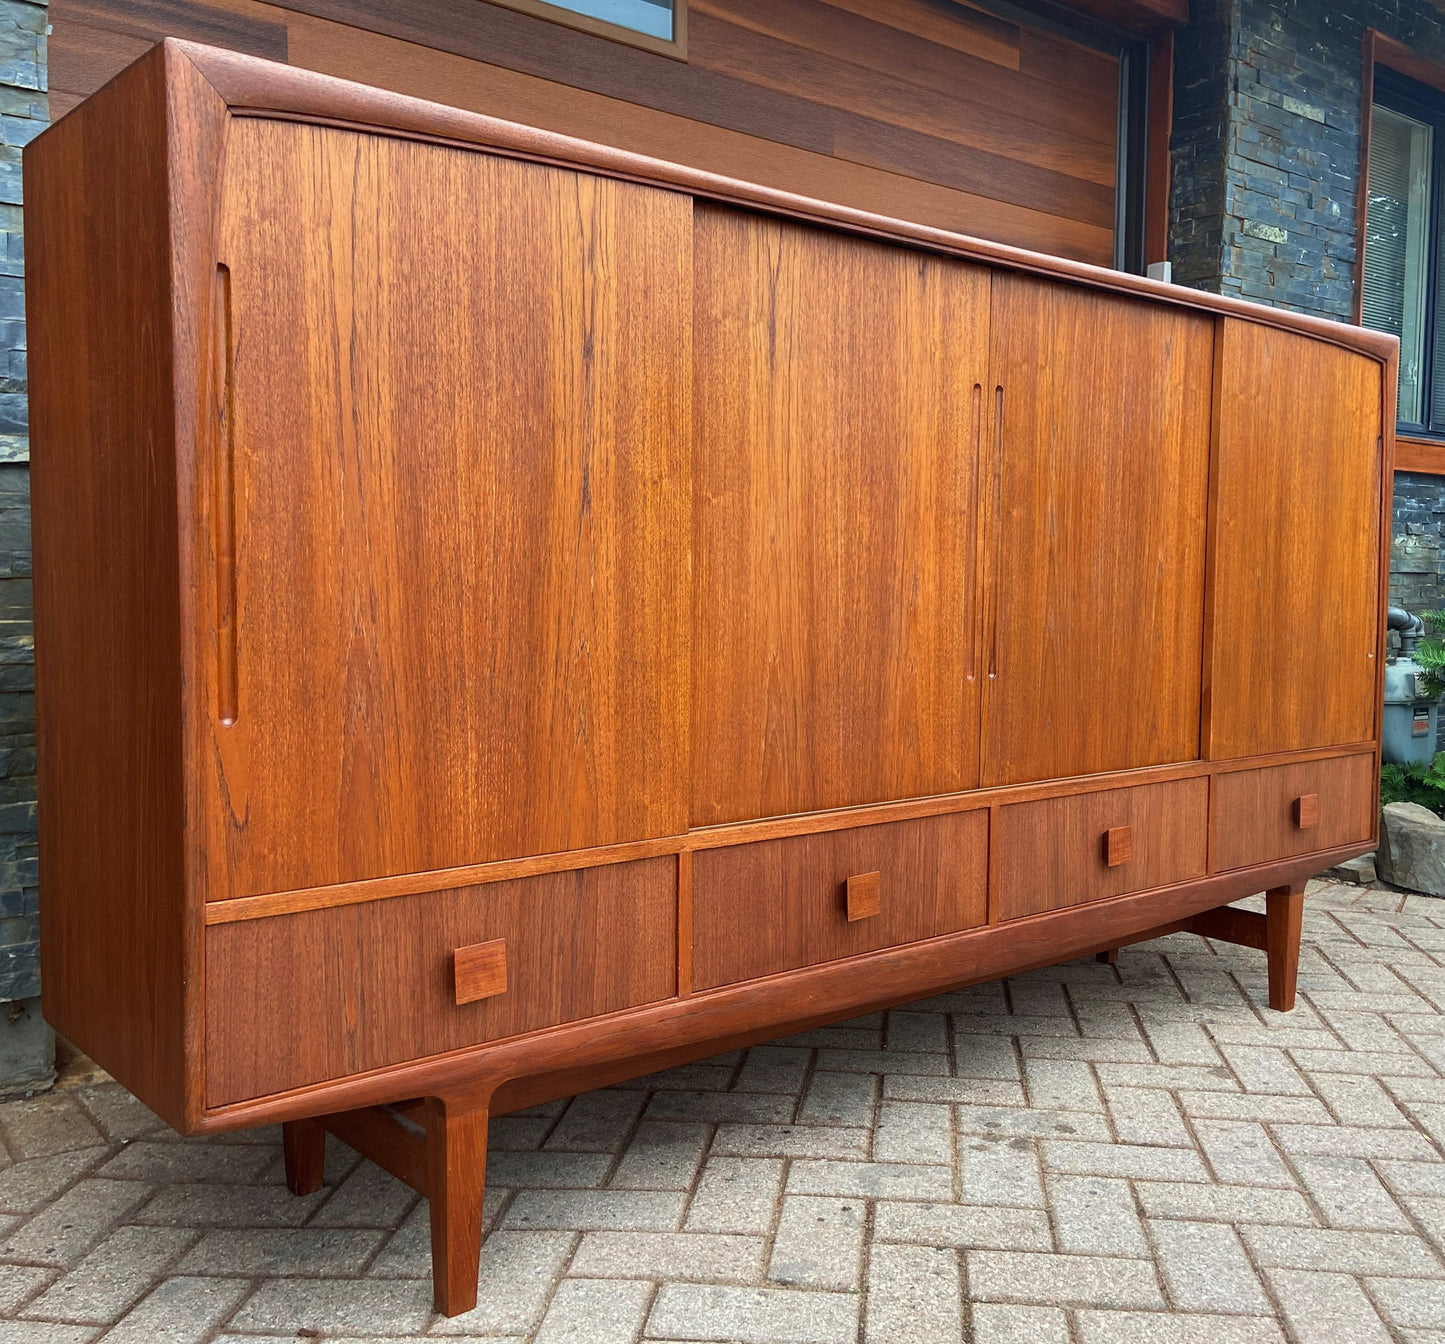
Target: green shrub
1415, 783
1430, 654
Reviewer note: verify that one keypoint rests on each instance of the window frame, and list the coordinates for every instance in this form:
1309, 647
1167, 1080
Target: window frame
1397, 92
1146, 98
616, 32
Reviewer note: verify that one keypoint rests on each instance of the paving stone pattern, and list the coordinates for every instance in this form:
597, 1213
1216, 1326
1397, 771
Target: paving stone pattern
1140, 1154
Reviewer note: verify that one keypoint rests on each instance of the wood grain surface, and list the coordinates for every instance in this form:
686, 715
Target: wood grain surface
561, 1061
331, 278
1294, 607
1056, 852
115, 412
960, 118
780, 904
461, 544
1097, 533
456, 1171
1255, 814
373, 984
837, 417
480, 971
406, 417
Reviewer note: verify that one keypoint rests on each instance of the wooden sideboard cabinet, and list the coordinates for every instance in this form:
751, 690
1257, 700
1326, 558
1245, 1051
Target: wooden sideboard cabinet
512, 615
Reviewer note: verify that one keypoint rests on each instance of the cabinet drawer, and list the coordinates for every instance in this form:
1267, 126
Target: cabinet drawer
297, 999
1261, 815
779, 904
1065, 851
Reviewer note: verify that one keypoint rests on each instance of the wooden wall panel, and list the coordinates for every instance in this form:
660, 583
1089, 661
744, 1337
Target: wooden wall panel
1098, 532
1293, 623
374, 983
461, 588
837, 411
983, 125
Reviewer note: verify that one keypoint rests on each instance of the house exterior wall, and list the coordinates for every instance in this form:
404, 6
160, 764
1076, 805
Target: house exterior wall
1266, 146
934, 112
26, 1046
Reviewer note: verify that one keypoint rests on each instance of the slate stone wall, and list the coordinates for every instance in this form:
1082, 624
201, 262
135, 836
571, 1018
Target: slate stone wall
26, 1052
1266, 150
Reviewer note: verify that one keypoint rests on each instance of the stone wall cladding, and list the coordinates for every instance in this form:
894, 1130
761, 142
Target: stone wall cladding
1417, 557
1266, 149
1266, 144
24, 112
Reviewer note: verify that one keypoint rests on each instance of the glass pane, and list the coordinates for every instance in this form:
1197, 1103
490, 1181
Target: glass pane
653, 17
1396, 238
1437, 356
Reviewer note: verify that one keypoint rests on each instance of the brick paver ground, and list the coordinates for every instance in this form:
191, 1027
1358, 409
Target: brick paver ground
1140, 1154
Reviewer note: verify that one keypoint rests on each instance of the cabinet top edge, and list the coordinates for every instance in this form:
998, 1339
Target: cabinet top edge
252, 86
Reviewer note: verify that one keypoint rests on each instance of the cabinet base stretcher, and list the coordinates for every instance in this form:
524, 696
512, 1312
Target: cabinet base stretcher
438, 1145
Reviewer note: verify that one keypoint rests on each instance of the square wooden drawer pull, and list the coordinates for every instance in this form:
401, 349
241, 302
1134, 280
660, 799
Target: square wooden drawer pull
1307, 811
864, 896
481, 970
1118, 845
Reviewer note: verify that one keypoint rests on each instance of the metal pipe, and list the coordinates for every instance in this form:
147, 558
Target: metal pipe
1410, 627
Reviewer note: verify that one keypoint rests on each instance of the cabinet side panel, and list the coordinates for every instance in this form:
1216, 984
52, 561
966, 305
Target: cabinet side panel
838, 412
1296, 537
108, 662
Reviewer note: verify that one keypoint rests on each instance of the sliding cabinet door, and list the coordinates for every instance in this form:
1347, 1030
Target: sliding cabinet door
1096, 539
838, 407
1295, 553
450, 510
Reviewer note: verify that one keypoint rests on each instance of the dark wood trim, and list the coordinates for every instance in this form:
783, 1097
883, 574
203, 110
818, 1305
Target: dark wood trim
1426, 456
1283, 916
389, 1140
1399, 57
1228, 925
1379, 49
1159, 165
1143, 18
303, 1150
616, 32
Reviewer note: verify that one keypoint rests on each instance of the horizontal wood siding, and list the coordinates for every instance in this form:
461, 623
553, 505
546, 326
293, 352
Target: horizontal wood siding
956, 119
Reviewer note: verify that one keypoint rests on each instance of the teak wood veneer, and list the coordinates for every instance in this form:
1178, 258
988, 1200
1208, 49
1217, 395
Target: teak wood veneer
513, 615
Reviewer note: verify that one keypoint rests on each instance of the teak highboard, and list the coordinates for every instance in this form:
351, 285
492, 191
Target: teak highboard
512, 615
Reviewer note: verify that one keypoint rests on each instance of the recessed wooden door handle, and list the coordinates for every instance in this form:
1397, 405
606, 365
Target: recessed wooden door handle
865, 897
480, 970
1118, 845
1307, 811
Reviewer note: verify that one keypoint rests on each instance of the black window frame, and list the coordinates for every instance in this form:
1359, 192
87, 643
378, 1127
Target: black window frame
1132, 162
1399, 93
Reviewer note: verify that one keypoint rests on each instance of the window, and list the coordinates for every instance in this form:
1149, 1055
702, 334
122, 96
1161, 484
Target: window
1404, 245
658, 25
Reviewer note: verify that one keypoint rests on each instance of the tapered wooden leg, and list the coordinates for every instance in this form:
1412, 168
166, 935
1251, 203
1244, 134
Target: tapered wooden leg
303, 1143
1109, 956
456, 1176
1283, 916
